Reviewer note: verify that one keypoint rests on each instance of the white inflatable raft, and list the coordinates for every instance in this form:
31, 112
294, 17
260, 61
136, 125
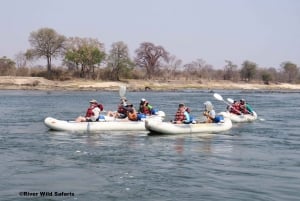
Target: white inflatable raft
172, 129
240, 118
105, 125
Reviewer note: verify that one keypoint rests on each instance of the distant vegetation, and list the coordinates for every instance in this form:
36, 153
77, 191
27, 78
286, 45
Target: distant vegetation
86, 58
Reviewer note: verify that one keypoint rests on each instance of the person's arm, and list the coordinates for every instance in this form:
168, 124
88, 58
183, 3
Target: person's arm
149, 106
187, 117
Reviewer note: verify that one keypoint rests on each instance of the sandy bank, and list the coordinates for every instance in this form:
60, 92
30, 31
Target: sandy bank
38, 83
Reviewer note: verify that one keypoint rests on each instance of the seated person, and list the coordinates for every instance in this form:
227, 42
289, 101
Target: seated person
145, 107
245, 108
182, 116
92, 113
131, 112
121, 111
210, 113
234, 108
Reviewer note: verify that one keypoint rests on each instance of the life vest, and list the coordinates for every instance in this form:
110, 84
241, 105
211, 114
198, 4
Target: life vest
89, 112
243, 109
100, 106
179, 116
235, 109
145, 109
133, 116
121, 109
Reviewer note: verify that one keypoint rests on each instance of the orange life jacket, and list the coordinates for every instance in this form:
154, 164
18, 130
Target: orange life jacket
132, 116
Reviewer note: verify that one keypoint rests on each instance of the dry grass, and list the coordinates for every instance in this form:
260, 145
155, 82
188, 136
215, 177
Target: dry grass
39, 83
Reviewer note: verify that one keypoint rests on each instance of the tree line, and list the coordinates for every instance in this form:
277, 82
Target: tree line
86, 58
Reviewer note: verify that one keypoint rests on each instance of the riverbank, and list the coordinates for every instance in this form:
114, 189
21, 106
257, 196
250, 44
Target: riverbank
39, 83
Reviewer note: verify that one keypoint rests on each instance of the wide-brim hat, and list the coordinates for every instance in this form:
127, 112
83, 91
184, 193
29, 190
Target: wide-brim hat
93, 101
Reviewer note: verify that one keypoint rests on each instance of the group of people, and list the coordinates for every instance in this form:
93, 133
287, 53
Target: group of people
125, 109
240, 107
183, 114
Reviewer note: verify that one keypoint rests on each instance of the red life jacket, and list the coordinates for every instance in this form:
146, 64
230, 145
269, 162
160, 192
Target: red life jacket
145, 109
243, 109
121, 109
235, 109
100, 107
179, 116
89, 111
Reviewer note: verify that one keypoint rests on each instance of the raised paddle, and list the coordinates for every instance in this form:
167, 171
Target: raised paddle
220, 98
230, 100
122, 91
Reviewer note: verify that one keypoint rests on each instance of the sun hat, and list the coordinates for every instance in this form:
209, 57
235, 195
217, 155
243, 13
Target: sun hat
208, 105
93, 101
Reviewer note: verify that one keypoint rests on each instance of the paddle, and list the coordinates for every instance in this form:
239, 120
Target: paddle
220, 98
122, 91
230, 100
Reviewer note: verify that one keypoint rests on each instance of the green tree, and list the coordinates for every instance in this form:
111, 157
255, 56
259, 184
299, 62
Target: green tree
7, 66
118, 60
150, 57
46, 42
84, 53
248, 70
291, 70
266, 77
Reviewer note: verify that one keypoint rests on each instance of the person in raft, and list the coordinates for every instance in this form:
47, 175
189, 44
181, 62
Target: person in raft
210, 113
145, 107
245, 108
181, 116
131, 112
121, 112
92, 113
234, 108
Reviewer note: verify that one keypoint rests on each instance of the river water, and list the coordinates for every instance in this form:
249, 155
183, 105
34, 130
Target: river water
252, 161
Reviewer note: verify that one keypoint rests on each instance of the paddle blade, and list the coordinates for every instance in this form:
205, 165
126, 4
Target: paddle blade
230, 100
218, 97
122, 91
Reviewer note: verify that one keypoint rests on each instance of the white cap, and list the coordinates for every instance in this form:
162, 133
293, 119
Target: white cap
143, 100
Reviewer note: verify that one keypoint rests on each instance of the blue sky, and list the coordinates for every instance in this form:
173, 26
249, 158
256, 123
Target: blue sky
263, 31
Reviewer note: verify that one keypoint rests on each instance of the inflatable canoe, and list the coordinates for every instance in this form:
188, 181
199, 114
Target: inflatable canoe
171, 129
110, 125
240, 118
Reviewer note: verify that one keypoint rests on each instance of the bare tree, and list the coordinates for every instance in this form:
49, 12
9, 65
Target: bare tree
21, 60
172, 67
150, 57
230, 71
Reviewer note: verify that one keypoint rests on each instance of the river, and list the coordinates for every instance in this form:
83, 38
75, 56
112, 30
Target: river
252, 161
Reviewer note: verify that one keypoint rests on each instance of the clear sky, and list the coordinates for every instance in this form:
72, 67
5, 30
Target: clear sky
266, 32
